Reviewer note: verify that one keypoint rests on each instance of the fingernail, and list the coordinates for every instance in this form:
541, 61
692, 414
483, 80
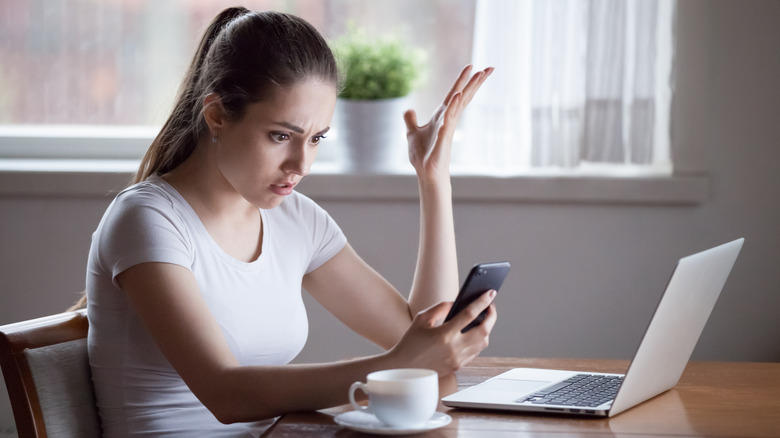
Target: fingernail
492, 294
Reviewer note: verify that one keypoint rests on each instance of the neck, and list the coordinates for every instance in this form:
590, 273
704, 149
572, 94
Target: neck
200, 182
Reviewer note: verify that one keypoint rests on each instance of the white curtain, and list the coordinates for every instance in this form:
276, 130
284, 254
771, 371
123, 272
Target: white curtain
577, 83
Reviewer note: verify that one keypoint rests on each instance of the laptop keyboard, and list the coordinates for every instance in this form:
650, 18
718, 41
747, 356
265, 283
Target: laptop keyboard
580, 390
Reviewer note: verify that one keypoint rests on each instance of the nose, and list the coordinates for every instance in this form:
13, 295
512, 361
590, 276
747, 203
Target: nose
298, 160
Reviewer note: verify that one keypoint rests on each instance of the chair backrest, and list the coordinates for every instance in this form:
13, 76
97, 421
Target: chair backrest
46, 370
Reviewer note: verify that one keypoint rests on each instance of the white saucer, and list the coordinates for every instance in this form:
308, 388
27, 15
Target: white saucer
364, 422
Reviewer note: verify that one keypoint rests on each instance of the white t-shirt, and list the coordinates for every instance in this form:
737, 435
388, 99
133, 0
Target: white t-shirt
258, 304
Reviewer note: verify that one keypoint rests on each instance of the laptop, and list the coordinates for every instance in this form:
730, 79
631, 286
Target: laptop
656, 367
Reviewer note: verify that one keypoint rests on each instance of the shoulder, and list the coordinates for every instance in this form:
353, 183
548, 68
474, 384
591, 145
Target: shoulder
141, 207
147, 193
144, 223
141, 225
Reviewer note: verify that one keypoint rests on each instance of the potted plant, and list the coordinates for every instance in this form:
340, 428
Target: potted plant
379, 73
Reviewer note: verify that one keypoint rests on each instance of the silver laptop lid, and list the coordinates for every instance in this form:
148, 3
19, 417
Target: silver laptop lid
676, 325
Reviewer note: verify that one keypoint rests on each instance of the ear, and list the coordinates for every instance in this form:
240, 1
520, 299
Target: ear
214, 113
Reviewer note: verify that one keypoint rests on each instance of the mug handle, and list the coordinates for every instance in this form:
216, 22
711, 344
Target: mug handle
354, 387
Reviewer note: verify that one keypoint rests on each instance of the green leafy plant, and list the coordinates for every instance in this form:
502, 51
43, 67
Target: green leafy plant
376, 68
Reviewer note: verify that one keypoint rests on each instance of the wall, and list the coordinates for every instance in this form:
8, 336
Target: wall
586, 277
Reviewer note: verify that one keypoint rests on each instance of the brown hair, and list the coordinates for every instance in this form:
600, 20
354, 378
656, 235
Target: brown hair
242, 57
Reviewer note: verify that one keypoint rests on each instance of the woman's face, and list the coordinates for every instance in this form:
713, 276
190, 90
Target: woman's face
265, 154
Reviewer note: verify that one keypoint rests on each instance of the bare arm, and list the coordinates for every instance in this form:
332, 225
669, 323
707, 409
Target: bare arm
430, 147
168, 302
360, 297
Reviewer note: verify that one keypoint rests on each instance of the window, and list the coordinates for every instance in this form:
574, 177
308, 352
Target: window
71, 69
579, 85
77, 70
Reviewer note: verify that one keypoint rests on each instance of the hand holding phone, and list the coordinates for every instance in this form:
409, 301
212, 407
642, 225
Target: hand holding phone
482, 278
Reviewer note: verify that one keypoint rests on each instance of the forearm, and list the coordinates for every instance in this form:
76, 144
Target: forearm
436, 273
241, 394
249, 393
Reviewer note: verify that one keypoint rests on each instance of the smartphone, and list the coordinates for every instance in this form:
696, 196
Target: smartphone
481, 278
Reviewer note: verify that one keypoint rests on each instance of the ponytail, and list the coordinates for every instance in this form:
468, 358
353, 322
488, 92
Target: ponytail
180, 133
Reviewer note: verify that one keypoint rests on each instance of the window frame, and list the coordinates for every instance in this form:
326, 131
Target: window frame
73, 142
105, 178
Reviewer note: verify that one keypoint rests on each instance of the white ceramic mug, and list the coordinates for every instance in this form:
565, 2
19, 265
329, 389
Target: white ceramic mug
400, 398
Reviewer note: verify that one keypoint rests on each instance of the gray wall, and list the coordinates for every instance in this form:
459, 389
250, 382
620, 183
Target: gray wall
586, 277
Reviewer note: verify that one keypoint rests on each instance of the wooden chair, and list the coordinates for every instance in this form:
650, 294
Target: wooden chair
47, 374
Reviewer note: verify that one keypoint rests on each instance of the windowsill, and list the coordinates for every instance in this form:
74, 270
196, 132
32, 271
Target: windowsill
102, 178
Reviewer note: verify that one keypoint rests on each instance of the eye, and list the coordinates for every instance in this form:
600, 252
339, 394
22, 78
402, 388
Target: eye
279, 137
317, 139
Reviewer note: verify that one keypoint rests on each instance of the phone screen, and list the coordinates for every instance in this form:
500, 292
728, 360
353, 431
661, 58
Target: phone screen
482, 278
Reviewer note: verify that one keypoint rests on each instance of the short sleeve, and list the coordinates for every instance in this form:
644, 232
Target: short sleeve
140, 227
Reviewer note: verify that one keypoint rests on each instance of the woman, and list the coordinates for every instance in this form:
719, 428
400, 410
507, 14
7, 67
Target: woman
195, 272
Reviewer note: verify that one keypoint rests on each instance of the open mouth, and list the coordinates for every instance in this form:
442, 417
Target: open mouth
282, 189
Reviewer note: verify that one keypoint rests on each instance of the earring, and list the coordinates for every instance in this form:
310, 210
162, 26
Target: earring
214, 139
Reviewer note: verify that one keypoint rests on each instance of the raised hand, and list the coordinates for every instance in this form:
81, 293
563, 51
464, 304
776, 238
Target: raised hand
430, 145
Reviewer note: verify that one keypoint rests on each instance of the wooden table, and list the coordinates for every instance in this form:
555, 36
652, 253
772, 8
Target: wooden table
712, 399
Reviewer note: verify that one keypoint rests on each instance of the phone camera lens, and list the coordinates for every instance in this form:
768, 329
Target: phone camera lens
482, 272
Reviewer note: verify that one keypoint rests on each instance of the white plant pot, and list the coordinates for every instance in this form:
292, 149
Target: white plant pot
372, 134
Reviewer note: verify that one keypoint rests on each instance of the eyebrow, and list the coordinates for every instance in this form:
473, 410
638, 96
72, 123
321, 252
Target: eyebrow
298, 129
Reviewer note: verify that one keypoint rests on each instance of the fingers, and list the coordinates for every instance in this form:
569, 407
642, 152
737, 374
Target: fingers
463, 91
477, 339
447, 129
475, 83
454, 108
472, 311
490, 318
459, 83
434, 315
468, 85
410, 118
